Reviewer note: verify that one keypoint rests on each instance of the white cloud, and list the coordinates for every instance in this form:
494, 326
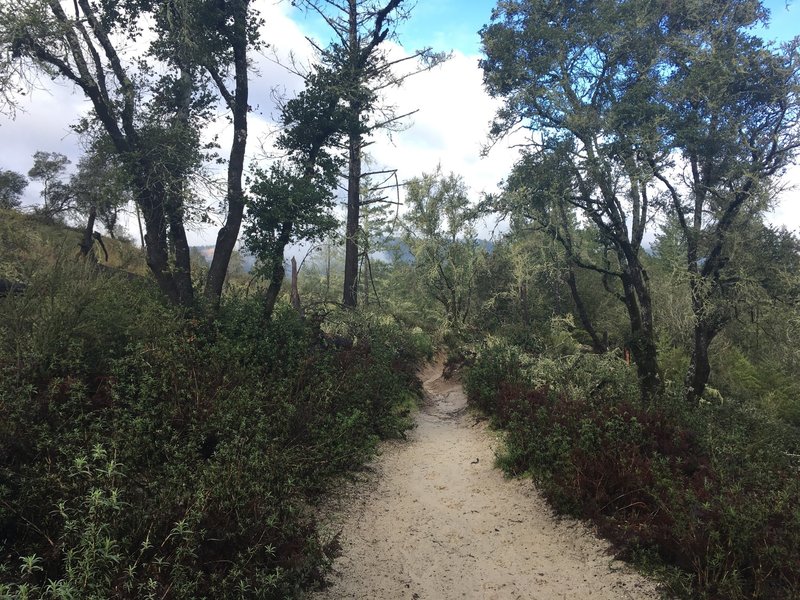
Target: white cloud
787, 211
450, 127
42, 122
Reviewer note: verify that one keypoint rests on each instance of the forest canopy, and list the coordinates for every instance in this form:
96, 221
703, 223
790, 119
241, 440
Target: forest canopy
169, 419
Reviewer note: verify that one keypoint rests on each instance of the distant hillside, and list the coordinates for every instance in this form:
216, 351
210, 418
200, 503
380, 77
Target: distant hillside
29, 242
207, 252
398, 250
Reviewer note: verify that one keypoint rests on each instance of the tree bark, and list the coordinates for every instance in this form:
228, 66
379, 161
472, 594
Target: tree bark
182, 270
597, 343
278, 270
87, 241
699, 367
295, 293
350, 295
640, 314
238, 105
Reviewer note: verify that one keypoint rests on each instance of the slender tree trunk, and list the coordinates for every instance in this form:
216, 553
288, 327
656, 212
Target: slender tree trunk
640, 313
704, 271
365, 276
152, 204
699, 367
350, 295
87, 241
238, 104
295, 292
274, 288
139, 220
597, 343
278, 270
182, 270
350, 292
174, 192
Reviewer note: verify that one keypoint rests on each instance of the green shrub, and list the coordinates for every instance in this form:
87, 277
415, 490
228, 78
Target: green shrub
144, 454
499, 364
763, 386
712, 492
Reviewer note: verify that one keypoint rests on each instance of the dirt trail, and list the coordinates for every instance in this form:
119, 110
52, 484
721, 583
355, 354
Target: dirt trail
437, 521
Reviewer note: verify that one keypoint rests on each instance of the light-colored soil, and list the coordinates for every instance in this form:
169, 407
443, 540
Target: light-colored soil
435, 521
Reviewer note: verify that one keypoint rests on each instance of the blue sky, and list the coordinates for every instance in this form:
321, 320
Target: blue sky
784, 19
442, 24
439, 135
453, 25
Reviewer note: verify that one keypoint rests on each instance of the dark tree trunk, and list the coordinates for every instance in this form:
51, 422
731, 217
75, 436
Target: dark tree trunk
699, 367
636, 294
87, 241
350, 292
274, 288
238, 105
350, 295
156, 242
646, 357
295, 293
182, 270
597, 343
365, 277
278, 270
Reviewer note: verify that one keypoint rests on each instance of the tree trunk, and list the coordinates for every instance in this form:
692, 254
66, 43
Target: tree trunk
182, 270
295, 293
87, 241
365, 277
228, 233
643, 345
350, 292
278, 270
238, 104
155, 238
350, 295
139, 221
597, 343
274, 288
699, 367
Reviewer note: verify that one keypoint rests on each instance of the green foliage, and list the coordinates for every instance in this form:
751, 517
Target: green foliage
707, 498
282, 195
28, 244
101, 184
147, 455
499, 363
48, 168
12, 184
17, 243
683, 108
440, 233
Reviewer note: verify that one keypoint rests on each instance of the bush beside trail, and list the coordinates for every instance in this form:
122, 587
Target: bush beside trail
708, 497
147, 454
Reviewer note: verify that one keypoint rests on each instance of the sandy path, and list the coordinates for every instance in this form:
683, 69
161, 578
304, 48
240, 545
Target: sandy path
436, 521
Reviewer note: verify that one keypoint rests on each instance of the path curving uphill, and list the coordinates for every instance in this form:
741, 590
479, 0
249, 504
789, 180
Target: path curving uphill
436, 521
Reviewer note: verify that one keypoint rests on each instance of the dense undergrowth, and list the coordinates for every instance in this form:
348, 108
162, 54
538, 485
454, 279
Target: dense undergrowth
708, 497
150, 454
